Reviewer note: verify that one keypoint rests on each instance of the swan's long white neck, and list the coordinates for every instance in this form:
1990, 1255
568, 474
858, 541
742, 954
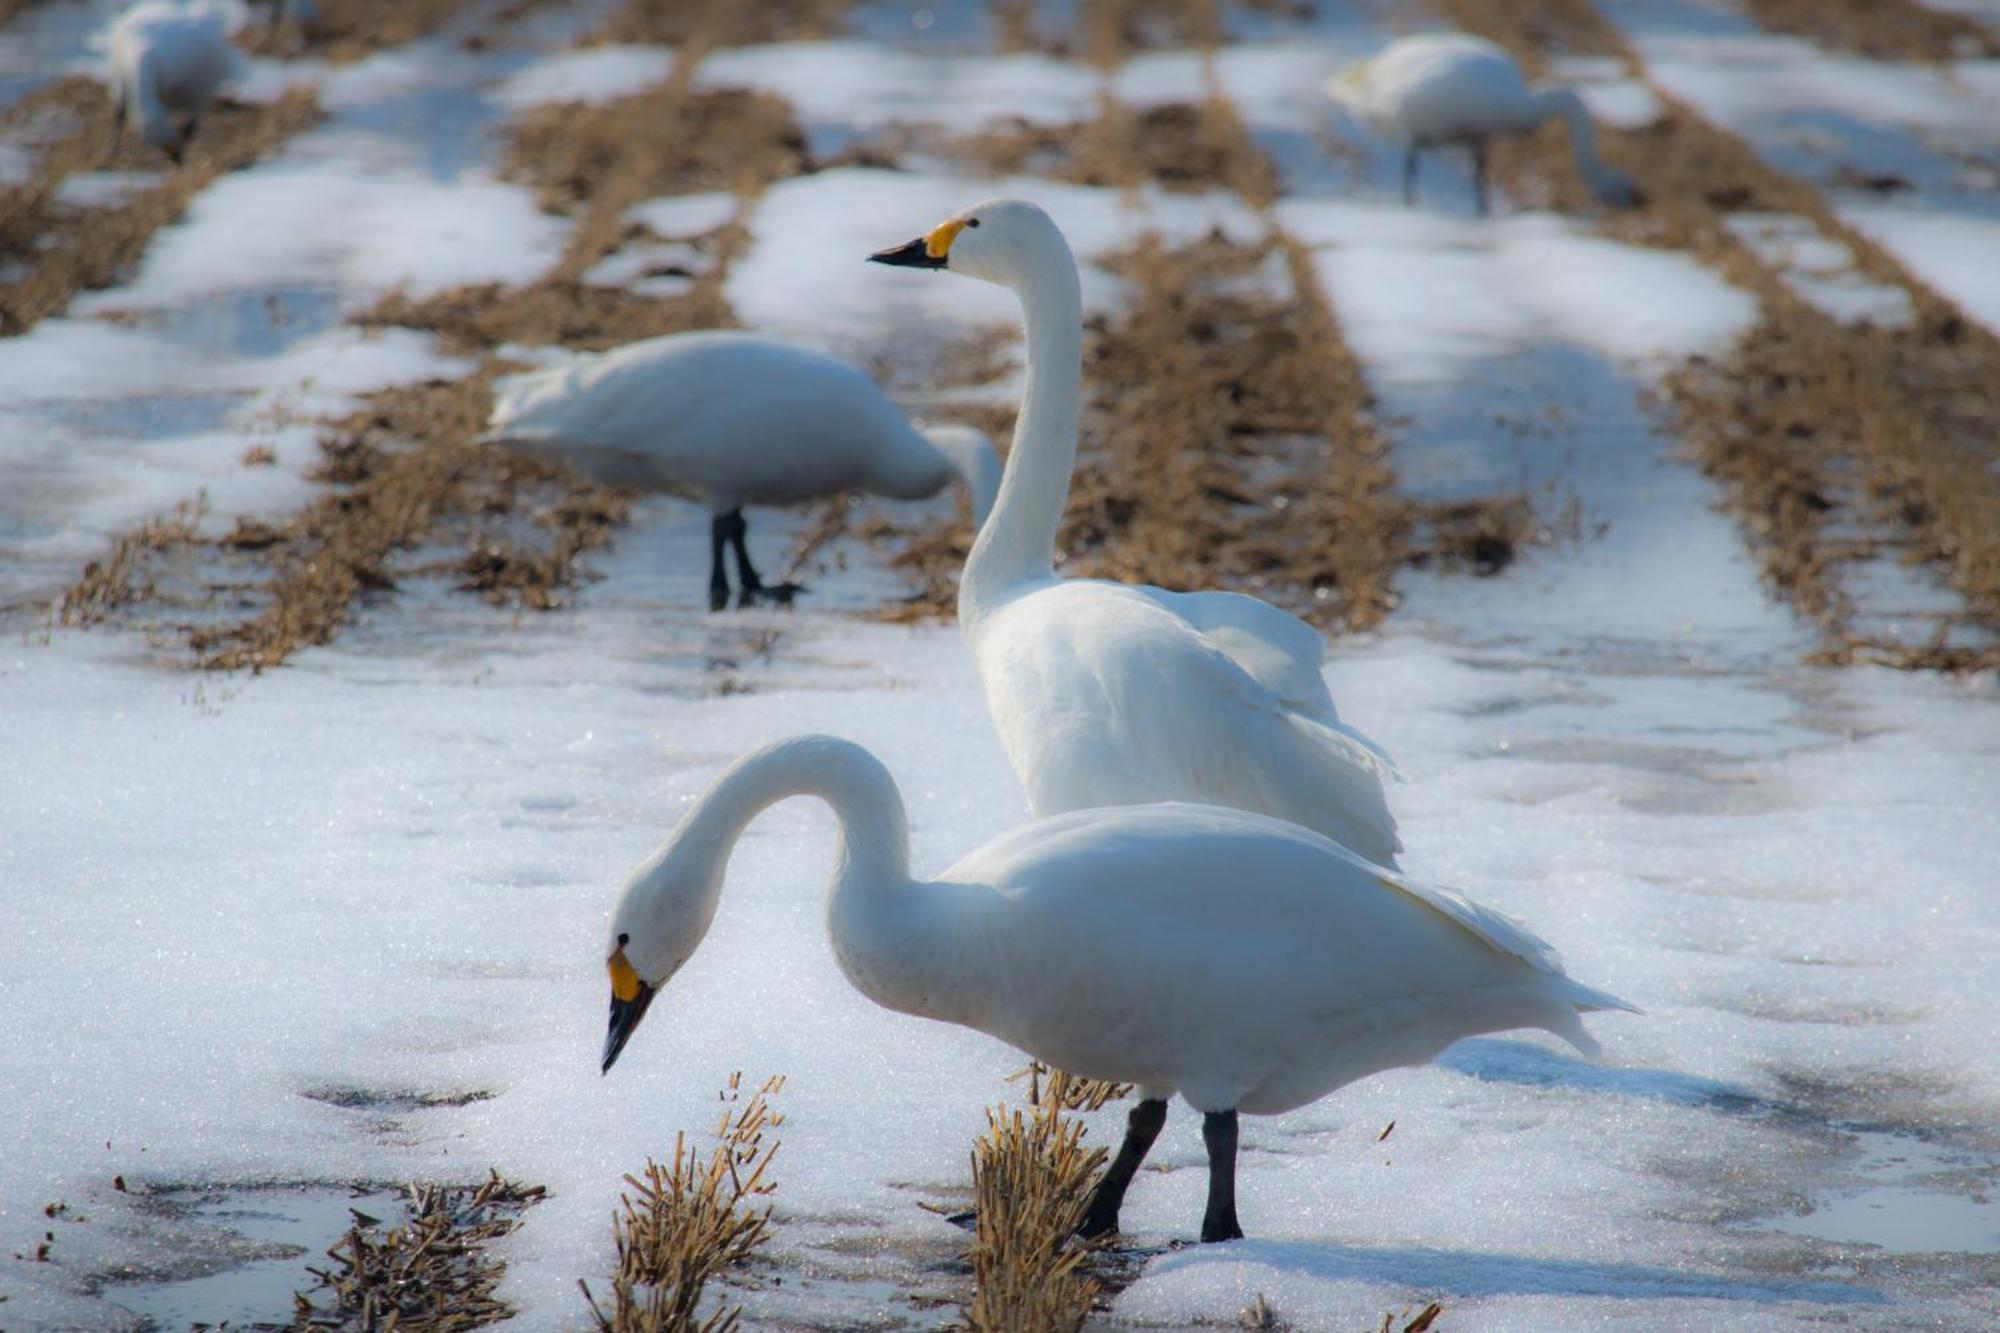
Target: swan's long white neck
1017, 544
875, 833
1561, 103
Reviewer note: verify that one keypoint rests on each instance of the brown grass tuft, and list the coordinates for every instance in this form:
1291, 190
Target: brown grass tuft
123, 578
704, 23
691, 1221
430, 1275
1031, 1181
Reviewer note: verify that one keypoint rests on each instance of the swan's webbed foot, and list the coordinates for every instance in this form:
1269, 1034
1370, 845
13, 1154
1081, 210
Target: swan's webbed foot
776, 594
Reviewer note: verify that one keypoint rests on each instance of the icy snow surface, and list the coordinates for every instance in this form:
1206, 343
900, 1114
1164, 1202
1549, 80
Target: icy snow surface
253, 919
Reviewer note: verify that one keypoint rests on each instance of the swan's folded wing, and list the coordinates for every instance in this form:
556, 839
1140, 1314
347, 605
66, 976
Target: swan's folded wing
1280, 651
1276, 649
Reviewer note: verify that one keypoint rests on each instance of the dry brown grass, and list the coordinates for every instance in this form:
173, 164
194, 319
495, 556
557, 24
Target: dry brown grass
1878, 29
692, 1221
431, 1275
700, 24
1814, 426
1032, 1179
124, 577
348, 30
68, 249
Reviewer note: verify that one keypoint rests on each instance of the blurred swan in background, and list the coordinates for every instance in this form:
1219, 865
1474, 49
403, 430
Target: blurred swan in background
1247, 964
1112, 694
731, 419
1443, 89
168, 61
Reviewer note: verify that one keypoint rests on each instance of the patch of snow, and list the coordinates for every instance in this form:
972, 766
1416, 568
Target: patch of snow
1420, 295
679, 216
1820, 269
1956, 254
866, 86
591, 75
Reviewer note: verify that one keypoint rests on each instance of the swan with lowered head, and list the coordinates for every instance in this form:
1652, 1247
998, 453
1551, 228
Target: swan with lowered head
1450, 88
1111, 694
168, 61
734, 419
1246, 964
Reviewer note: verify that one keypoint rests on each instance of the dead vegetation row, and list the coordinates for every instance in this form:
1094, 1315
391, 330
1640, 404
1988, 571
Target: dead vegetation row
433, 1274
349, 30
1838, 443
687, 1223
51, 248
1878, 29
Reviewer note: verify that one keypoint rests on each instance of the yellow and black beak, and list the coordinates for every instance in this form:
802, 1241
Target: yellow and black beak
929, 251
629, 998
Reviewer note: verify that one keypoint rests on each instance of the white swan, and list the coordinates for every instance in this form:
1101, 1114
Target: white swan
1246, 964
1110, 694
1450, 88
733, 419
168, 61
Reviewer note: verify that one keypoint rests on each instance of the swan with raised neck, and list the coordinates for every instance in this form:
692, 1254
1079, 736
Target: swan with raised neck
1246, 964
1117, 694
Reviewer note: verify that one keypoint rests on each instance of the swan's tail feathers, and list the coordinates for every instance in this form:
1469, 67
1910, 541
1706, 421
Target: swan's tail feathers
1573, 999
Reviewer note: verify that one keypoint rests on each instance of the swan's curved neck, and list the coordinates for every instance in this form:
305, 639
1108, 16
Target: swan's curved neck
875, 832
1561, 103
900, 943
1017, 543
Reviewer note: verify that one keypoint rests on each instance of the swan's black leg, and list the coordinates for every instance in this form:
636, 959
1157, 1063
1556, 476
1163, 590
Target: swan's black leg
1409, 175
718, 582
746, 576
753, 587
1142, 1126
1218, 1131
1479, 176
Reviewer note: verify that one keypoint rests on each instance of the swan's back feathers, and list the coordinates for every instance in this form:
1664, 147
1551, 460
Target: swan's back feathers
1277, 648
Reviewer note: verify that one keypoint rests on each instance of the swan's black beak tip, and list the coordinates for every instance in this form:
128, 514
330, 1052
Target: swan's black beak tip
625, 1016
916, 254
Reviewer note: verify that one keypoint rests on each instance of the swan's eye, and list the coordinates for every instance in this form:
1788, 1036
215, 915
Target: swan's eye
624, 940
972, 222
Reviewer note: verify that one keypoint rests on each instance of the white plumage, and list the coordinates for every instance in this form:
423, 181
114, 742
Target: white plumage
1110, 694
731, 419
1241, 962
168, 61
1447, 89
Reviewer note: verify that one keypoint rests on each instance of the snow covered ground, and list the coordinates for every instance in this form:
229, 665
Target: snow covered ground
343, 921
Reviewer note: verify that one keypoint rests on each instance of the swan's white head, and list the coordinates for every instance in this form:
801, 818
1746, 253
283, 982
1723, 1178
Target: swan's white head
1001, 240
975, 460
661, 918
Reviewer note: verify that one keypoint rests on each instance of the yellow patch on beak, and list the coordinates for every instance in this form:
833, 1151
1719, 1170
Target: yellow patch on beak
624, 981
938, 243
